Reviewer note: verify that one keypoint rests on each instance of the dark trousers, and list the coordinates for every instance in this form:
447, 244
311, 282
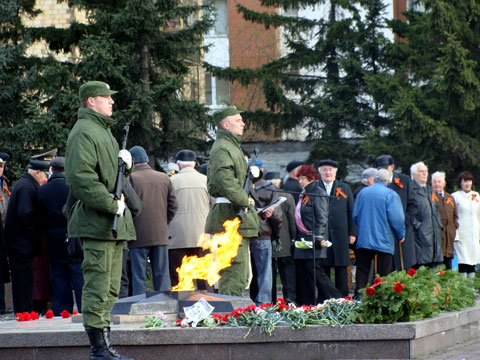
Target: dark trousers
304, 283
125, 283
286, 269
430, 265
21, 270
2, 298
65, 278
364, 261
341, 278
175, 257
448, 262
465, 268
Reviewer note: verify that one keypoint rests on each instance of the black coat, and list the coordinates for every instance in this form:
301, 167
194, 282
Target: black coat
314, 205
21, 225
402, 185
294, 186
51, 199
4, 271
427, 227
269, 229
340, 224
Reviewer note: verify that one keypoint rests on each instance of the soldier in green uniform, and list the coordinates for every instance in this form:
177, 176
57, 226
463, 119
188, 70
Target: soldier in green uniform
227, 171
91, 172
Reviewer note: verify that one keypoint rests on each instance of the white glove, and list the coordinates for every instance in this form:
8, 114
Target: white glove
126, 158
255, 171
121, 207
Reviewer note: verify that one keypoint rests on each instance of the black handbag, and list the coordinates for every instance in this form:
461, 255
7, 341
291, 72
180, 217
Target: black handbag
74, 248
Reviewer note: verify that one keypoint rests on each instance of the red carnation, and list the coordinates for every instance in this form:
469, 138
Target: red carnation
75, 312
377, 280
34, 315
65, 314
49, 314
370, 291
441, 272
266, 305
178, 322
398, 287
348, 298
19, 317
280, 301
411, 272
27, 316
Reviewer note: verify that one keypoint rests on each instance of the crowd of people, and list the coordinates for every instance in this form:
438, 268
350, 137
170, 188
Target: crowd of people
307, 239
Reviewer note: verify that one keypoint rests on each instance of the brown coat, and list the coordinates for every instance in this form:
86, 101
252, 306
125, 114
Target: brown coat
449, 218
159, 206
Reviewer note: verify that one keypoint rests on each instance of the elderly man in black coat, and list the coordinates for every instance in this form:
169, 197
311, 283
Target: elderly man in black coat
291, 183
67, 274
342, 231
22, 237
402, 185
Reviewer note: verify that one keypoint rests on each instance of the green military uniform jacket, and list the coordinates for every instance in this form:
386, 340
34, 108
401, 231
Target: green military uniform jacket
91, 167
227, 171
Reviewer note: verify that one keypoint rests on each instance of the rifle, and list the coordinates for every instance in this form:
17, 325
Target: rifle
119, 187
247, 186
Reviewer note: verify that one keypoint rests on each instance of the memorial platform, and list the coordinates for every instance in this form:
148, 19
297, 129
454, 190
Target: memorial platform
57, 338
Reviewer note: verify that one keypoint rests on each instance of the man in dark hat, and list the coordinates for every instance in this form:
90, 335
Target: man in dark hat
67, 274
22, 236
368, 178
227, 171
159, 207
342, 231
193, 206
402, 185
292, 184
4, 197
91, 169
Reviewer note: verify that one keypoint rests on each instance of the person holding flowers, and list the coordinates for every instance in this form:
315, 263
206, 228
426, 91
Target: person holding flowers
467, 239
311, 217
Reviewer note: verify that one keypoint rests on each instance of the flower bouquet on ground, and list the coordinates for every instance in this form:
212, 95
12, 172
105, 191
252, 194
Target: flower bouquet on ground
414, 295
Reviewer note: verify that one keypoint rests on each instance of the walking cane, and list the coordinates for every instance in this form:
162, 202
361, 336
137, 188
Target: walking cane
401, 255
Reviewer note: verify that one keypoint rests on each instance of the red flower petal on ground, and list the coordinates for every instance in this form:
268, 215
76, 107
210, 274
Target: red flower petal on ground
370, 291
34, 315
411, 272
65, 314
398, 288
377, 280
49, 314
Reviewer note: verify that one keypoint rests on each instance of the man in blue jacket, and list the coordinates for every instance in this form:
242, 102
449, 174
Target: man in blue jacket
379, 216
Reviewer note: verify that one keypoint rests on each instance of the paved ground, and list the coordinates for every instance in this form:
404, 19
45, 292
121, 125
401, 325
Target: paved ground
467, 351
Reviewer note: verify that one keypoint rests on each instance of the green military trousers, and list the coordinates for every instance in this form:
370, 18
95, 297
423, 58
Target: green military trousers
102, 270
234, 279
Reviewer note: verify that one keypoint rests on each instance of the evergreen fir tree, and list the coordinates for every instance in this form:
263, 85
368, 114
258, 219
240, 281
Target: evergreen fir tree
321, 82
432, 96
129, 45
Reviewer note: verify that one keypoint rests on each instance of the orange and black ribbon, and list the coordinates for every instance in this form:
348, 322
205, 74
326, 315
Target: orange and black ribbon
434, 197
340, 192
305, 200
450, 201
398, 182
5, 189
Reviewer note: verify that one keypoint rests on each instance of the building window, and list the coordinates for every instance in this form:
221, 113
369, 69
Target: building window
221, 17
217, 91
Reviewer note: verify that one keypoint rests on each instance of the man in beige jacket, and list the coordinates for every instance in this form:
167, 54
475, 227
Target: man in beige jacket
189, 222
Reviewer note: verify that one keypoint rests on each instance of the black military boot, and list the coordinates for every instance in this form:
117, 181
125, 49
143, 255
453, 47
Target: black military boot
111, 350
98, 348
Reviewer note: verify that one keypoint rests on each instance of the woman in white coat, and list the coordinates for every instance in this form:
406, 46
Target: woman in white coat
467, 243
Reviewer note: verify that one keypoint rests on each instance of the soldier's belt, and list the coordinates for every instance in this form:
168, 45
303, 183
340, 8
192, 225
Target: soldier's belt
222, 200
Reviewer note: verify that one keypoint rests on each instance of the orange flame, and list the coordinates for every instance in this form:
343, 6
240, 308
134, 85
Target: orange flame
223, 248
